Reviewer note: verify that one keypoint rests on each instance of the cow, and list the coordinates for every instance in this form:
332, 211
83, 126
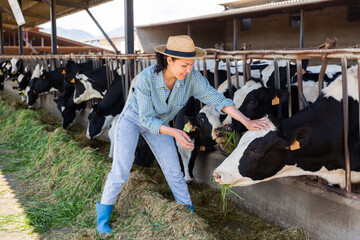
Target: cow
23, 81
103, 113
17, 67
30, 94
92, 84
3, 72
309, 143
48, 81
69, 110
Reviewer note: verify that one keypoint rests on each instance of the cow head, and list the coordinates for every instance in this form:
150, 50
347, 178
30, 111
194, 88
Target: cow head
96, 124
262, 156
17, 66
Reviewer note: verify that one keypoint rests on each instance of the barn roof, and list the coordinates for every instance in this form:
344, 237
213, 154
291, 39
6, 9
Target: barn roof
272, 7
37, 12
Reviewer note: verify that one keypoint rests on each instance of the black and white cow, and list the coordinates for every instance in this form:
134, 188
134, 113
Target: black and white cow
309, 143
17, 67
104, 112
88, 85
69, 110
48, 81
30, 94
3, 71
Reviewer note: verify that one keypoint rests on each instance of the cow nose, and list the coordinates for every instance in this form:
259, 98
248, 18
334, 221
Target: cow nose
217, 177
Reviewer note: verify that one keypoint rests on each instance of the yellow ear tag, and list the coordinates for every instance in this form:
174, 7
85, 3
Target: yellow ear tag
72, 80
63, 71
295, 145
275, 101
4, 70
23, 93
187, 127
15, 81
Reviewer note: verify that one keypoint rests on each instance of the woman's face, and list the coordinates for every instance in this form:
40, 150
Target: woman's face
180, 67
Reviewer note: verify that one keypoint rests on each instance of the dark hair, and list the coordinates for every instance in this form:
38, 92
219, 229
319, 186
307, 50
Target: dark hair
161, 62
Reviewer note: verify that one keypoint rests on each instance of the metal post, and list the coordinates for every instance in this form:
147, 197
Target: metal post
102, 31
302, 28
228, 73
53, 27
346, 125
188, 29
245, 78
277, 84
358, 63
216, 74
236, 74
20, 37
235, 34
1, 35
299, 79
289, 86
129, 34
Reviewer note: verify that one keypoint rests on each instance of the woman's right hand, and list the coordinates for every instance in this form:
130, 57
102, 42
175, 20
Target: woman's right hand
182, 138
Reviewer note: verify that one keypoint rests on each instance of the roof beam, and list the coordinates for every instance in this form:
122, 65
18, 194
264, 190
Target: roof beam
74, 5
66, 4
35, 16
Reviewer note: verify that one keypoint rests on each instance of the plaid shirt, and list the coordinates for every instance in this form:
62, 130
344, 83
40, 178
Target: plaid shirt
151, 93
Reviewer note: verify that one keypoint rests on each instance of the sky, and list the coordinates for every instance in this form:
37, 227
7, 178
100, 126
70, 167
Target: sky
111, 15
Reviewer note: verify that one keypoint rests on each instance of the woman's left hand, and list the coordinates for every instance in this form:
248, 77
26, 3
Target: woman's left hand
258, 124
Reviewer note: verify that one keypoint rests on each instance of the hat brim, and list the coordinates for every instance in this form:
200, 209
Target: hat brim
199, 52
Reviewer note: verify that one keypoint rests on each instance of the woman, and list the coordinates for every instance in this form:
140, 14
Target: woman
160, 92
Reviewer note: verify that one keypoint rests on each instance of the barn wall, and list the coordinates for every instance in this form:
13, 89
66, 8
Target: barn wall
274, 31
268, 32
203, 36
290, 202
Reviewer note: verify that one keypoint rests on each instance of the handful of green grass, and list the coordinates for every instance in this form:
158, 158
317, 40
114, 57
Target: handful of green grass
232, 140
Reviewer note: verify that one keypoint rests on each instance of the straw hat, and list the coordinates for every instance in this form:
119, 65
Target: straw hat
181, 46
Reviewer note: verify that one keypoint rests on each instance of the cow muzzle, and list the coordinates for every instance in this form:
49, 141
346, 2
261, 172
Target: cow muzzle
217, 177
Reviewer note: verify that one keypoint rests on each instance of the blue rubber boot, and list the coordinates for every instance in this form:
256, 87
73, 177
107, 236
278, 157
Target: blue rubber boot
103, 216
191, 207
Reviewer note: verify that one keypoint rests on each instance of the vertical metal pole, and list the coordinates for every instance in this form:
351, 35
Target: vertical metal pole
129, 37
53, 27
1, 35
299, 78
20, 37
277, 84
216, 74
228, 73
204, 68
244, 69
346, 124
236, 75
188, 29
289, 86
235, 34
358, 63
302, 28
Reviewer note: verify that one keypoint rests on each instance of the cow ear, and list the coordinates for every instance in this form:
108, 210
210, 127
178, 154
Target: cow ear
299, 138
277, 96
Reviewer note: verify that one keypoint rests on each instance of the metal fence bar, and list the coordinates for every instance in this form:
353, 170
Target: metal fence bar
299, 79
346, 125
236, 75
216, 74
288, 80
228, 73
204, 68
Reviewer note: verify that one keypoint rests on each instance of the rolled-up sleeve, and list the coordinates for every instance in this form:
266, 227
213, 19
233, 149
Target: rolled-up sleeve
147, 112
203, 91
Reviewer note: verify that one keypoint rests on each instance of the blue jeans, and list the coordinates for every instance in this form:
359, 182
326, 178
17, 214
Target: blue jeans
126, 136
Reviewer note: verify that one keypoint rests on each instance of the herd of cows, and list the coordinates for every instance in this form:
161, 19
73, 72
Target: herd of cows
310, 142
